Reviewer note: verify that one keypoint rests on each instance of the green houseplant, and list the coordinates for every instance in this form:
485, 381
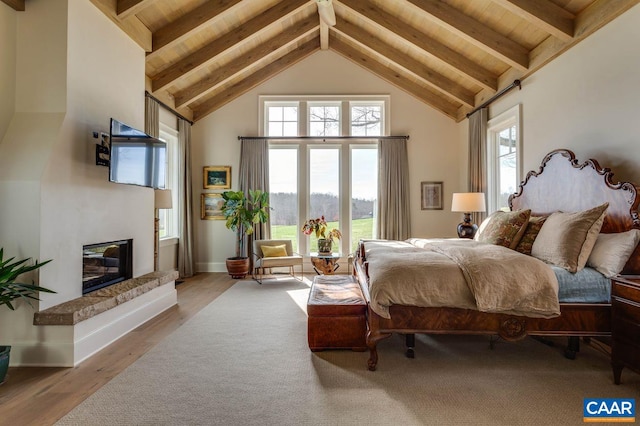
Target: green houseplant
241, 213
11, 290
319, 227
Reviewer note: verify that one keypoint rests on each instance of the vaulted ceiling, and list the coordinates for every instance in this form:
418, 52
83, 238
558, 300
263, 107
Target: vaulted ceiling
450, 54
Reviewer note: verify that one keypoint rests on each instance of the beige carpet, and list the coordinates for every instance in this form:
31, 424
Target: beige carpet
244, 360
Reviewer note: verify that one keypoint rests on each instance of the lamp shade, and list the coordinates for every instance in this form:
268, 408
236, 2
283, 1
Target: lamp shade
163, 199
468, 202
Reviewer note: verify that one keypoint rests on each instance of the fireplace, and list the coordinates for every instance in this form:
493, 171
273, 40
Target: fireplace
105, 264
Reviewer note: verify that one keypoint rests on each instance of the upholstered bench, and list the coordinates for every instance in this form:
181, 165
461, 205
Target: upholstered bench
337, 314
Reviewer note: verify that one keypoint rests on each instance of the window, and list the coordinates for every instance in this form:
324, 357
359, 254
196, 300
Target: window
337, 179
503, 154
168, 225
282, 119
324, 120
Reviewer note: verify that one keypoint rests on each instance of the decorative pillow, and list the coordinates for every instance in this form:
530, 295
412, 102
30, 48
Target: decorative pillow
274, 251
530, 234
566, 239
503, 228
611, 252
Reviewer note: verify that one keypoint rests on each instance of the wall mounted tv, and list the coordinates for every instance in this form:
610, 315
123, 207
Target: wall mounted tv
135, 157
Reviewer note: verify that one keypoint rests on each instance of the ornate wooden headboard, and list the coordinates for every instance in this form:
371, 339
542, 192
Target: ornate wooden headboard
563, 184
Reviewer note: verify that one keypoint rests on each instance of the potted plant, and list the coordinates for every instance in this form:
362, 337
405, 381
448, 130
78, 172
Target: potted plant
11, 290
241, 213
319, 227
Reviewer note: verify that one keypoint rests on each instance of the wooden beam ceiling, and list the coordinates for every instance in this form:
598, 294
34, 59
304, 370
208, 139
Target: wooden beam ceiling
450, 54
17, 5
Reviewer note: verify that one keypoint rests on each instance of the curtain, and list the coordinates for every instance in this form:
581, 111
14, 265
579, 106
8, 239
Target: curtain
185, 201
151, 117
253, 175
394, 216
478, 157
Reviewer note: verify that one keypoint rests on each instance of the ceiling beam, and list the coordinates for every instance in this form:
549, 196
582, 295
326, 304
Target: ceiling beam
449, 57
127, 8
198, 59
257, 78
475, 32
397, 79
434, 79
269, 47
182, 27
587, 22
131, 25
544, 14
17, 5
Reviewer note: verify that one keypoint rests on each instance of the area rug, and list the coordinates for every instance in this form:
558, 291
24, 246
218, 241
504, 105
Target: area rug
244, 360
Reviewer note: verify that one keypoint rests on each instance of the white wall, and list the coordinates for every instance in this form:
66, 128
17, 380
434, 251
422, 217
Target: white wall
433, 146
8, 46
75, 70
587, 100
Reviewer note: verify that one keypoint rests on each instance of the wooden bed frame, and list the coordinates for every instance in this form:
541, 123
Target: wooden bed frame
561, 183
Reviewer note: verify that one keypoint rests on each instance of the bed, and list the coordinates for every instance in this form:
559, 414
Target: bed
561, 184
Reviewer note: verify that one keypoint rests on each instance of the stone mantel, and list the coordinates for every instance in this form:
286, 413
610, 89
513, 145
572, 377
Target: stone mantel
99, 301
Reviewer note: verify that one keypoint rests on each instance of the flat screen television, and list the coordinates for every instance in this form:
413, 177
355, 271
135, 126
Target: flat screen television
135, 157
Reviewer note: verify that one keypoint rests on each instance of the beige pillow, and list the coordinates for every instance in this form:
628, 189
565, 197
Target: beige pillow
274, 251
611, 252
566, 239
503, 228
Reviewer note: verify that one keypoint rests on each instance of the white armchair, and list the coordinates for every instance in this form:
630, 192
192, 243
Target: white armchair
274, 254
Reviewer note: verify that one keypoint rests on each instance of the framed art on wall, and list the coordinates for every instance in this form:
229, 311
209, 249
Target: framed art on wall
217, 177
431, 195
211, 207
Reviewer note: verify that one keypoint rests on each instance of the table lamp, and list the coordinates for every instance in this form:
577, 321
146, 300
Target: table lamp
467, 202
162, 200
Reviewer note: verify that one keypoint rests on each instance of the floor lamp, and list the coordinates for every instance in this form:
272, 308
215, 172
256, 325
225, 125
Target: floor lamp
162, 200
467, 202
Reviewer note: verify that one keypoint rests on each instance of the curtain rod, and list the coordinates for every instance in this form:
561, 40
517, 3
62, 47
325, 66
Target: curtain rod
516, 83
322, 138
165, 106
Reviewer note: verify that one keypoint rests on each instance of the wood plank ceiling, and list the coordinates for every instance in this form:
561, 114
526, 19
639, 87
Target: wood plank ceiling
450, 54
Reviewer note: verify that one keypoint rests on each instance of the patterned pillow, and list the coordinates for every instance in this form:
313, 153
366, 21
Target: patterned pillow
504, 228
530, 234
274, 251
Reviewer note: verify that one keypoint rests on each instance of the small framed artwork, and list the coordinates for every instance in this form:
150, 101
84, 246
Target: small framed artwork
217, 177
431, 195
211, 207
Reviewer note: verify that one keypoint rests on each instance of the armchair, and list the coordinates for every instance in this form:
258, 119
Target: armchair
274, 254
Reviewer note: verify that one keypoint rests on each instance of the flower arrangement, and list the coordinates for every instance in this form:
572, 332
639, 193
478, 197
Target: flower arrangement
319, 227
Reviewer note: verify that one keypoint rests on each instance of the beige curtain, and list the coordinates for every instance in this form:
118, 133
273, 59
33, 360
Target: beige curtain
185, 201
478, 157
151, 117
394, 216
253, 175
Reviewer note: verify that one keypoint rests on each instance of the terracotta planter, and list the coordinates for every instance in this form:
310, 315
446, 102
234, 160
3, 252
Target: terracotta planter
238, 267
4, 362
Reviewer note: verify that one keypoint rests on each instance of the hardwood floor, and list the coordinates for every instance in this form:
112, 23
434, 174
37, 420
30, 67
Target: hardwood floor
41, 396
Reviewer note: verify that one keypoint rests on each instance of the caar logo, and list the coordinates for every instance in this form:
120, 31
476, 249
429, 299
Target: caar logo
609, 410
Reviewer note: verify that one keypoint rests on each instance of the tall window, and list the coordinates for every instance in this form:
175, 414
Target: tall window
168, 225
503, 154
283, 195
336, 179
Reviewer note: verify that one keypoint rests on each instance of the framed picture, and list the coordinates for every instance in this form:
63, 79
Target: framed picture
217, 177
211, 206
431, 195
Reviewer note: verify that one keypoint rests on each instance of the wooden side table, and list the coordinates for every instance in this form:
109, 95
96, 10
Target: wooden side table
625, 324
325, 263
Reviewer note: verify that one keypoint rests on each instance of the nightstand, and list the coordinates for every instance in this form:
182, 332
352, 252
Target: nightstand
625, 324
